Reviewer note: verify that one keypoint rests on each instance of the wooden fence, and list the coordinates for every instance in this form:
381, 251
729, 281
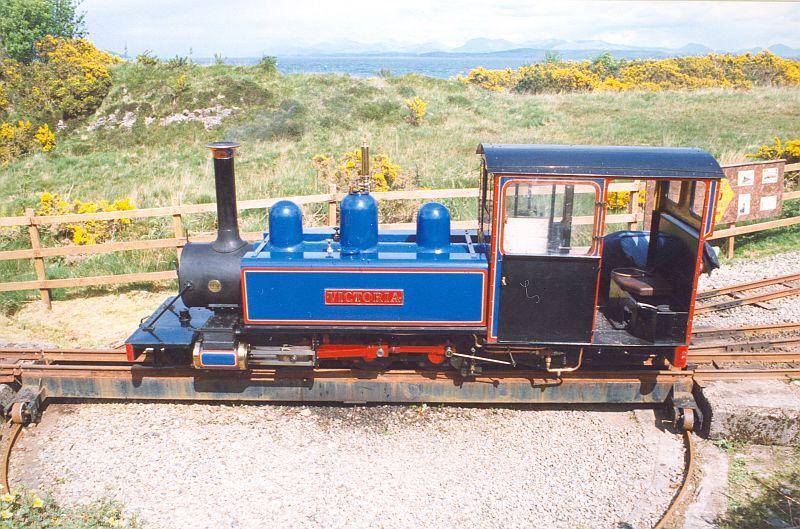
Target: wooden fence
38, 253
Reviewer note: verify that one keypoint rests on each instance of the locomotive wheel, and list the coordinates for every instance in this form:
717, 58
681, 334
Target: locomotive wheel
683, 419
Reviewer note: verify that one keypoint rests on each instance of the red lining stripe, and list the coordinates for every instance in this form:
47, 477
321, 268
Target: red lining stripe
394, 323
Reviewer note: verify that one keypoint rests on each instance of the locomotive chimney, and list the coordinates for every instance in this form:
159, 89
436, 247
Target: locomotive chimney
228, 239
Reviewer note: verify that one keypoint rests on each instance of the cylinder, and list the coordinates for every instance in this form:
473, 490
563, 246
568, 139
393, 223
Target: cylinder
359, 233
228, 239
285, 226
433, 228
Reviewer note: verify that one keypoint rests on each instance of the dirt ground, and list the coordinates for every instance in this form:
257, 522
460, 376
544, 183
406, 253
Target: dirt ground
96, 321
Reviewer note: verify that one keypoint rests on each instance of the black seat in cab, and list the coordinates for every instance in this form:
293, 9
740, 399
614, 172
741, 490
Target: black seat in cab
639, 301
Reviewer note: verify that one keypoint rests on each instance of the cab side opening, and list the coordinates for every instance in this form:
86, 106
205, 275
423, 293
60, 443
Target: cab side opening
647, 279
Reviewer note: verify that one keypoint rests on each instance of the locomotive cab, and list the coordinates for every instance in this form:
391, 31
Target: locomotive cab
558, 280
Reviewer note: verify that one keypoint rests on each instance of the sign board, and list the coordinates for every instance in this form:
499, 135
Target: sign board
750, 191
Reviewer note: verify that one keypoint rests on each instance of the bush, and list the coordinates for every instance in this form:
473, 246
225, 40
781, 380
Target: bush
416, 110
3, 97
789, 151
344, 172
268, 64
178, 62
17, 139
89, 232
147, 59
606, 73
69, 80
552, 77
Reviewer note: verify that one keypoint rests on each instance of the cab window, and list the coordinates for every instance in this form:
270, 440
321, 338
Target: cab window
549, 218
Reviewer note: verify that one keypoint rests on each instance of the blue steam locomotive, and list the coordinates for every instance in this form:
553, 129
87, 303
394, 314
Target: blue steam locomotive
538, 284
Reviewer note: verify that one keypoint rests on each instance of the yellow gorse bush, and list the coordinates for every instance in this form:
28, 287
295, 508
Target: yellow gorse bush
89, 232
69, 79
45, 137
789, 151
386, 175
3, 96
416, 110
76, 72
712, 71
19, 138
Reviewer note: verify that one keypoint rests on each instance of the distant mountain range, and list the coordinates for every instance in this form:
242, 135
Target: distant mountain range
533, 50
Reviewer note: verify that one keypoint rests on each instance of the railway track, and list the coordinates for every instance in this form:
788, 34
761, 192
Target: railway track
787, 286
710, 345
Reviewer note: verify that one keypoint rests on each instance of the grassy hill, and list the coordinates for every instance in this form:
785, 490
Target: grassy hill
283, 121
124, 150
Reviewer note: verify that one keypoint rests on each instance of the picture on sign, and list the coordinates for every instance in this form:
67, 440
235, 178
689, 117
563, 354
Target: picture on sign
744, 205
746, 177
768, 203
769, 176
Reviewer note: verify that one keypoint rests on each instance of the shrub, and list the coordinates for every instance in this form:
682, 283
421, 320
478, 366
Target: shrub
606, 73
344, 171
147, 59
386, 176
89, 232
70, 79
416, 110
3, 97
17, 139
268, 64
620, 200
178, 62
180, 88
789, 151
556, 77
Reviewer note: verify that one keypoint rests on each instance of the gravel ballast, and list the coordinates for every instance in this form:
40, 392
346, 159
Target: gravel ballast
209, 466
785, 310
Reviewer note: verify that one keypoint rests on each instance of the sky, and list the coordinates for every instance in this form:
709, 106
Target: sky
239, 28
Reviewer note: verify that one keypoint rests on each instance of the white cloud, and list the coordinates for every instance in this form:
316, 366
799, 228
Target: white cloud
246, 28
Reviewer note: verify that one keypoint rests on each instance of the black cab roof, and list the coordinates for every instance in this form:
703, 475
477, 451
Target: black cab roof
619, 162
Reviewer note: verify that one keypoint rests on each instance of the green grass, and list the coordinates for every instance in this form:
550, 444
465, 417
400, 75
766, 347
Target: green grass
283, 121
763, 502
25, 510
771, 241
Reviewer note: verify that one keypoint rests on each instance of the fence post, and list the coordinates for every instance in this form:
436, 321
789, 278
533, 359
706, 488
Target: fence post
730, 243
635, 209
177, 228
332, 204
38, 261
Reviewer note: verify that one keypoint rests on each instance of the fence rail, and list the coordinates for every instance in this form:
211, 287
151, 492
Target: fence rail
37, 253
